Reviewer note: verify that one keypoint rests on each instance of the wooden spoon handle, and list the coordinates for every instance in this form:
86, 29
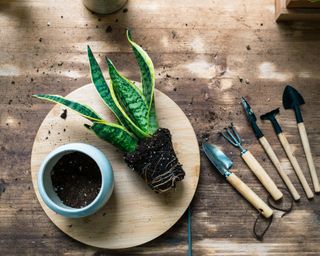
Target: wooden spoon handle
307, 151
274, 159
295, 165
262, 175
251, 196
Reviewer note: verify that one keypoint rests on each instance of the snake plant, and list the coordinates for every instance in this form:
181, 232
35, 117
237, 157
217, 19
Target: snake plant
147, 148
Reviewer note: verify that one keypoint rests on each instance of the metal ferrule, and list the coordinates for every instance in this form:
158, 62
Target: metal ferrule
242, 150
227, 174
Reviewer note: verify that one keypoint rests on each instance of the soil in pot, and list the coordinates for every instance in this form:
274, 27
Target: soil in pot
76, 179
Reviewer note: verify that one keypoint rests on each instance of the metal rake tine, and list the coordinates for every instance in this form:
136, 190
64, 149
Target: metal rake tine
233, 137
227, 138
236, 133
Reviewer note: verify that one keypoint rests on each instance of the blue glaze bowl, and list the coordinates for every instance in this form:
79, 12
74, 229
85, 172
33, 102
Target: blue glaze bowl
50, 197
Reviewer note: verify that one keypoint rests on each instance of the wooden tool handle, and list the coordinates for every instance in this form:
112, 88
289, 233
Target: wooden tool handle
307, 151
274, 159
248, 194
295, 164
261, 174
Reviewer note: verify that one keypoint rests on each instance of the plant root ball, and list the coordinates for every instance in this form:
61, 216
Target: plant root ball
156, 162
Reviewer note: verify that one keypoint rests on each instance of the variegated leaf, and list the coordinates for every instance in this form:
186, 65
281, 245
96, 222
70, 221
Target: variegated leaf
83, 110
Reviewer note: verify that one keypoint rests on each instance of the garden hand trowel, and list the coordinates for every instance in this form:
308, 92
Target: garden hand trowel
271, 116
224, 165
268, 149
292, 99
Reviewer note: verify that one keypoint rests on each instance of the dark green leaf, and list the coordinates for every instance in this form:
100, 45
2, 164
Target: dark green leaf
102, 87
116, 135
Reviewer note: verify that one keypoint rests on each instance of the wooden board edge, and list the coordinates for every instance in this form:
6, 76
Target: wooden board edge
282, 13
301, 4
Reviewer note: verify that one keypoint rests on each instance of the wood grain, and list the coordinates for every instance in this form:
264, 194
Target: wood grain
275, 160
249, 195
295, 164
204, 45
262, 175
307, 151
134, 214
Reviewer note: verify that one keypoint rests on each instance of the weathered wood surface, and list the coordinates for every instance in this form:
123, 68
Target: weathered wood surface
201, 51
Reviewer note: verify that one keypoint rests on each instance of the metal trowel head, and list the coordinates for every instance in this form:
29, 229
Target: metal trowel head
291, 98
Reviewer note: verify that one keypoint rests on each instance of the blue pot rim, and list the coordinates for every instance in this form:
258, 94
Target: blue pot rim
107, 180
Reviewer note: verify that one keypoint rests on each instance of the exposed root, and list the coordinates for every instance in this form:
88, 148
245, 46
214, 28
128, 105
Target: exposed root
156, 162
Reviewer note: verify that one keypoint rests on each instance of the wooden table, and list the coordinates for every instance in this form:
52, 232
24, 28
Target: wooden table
207, 55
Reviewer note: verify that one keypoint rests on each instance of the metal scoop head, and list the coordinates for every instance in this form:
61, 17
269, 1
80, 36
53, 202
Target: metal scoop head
219, 160
292, 99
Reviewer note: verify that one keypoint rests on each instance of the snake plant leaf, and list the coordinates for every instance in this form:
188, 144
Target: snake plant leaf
116, 135
147, 80
83, 110
102, 87
129, 97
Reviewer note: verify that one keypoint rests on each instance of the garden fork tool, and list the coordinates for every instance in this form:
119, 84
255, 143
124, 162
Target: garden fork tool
232, 136
271, 116
268, 149
292, 99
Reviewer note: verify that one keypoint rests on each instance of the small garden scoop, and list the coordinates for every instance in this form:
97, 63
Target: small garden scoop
224, 165
271, 116
292, 99
234, 138
268, 149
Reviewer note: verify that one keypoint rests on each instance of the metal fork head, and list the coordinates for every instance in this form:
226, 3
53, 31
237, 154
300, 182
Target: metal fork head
230, 134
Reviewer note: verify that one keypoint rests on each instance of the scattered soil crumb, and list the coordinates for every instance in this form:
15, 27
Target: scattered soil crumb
64, 114
40, 39
247, 81
205, 136
60, 63
248, 47
125, 10
2, 186
109, 29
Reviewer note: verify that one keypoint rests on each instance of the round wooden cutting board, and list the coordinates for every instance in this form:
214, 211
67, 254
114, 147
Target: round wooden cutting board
134, 214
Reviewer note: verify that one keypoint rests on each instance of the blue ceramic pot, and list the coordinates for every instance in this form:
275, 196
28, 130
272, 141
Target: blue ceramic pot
50, 197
